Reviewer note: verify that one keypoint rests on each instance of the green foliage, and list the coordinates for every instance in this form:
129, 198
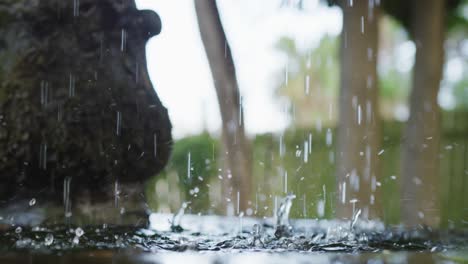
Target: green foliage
203, 151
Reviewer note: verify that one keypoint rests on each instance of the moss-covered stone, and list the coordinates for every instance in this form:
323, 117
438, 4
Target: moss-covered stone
76, 100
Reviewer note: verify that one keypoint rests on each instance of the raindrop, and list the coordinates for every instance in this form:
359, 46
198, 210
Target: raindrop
285, 182
44, 93
18, 230
43, 156
66, 197
307, 84
362, 24
328, 137
359, 114
282, 147
116, 194
119, 123
49, 239
32, 202
123, 41
188, 166
321, 208
76, 8
238, 202
71, 86
79, 232
343, 193
310, 143
306, 151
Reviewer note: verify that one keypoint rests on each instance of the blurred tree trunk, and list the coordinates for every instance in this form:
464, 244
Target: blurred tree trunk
420, 170
224, 75
359, 122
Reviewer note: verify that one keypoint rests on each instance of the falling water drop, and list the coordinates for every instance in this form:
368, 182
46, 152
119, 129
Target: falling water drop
43, 156
343, 193
306, 151
76, 8
18, 230
329, 137
285, 181
44, 93
307, 84
359, 114
116, 194
123, 40
282, 147
32, 202
71, 86
188, 166
310, 143
118, 123
362, 24
49, 239
66, 197
79, 232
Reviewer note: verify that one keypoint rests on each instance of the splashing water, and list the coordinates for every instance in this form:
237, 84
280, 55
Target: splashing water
220, 234
354, 219
283, 228
175, 223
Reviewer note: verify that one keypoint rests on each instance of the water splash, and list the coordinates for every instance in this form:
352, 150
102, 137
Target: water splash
354, 219
257, 233
177, 218
283, 228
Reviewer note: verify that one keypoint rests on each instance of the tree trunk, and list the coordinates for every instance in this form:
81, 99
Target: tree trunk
223, 72
358, 128
420, 162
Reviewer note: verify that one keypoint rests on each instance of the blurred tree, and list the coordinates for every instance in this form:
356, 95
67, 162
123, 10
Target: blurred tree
236, 145
420, 155
359, 122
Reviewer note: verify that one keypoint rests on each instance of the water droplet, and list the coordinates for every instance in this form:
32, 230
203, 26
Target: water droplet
79, 232
49, 239
32, 202
18, 230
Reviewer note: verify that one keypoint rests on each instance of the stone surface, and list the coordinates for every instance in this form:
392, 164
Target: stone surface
76, 100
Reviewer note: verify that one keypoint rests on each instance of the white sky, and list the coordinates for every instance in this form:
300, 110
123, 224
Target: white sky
179, 69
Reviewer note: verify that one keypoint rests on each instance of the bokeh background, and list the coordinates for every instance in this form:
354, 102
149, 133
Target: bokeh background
287, 57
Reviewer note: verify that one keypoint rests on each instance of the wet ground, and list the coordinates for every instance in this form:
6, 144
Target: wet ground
215, 239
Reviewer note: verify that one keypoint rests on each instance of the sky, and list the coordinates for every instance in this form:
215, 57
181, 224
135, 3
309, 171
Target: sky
180, 73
